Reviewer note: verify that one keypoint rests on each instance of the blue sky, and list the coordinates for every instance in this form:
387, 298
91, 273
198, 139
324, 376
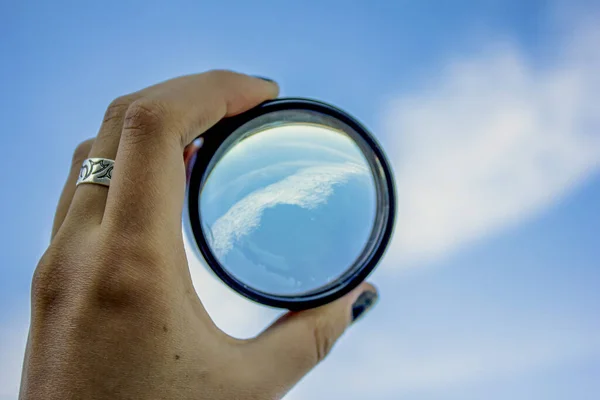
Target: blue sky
489, 111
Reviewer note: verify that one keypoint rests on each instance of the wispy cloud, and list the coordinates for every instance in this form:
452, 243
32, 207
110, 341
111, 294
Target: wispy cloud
492, 141
307, 188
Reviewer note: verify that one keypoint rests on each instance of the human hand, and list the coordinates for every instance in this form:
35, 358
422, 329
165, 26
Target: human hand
114, 311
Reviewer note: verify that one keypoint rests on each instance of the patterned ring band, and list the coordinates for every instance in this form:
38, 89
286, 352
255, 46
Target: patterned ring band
96, 170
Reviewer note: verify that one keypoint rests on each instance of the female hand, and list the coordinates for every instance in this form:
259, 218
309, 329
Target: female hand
114, 312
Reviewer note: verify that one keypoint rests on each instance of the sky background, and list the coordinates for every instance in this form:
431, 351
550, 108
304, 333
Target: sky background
490, 113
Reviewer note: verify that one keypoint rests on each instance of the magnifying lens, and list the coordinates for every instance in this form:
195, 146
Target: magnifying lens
291, 204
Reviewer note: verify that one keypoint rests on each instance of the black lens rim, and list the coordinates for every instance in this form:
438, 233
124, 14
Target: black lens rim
212, 141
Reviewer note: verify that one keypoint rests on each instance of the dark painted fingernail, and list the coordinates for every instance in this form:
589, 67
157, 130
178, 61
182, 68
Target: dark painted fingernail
264, 79
364, 303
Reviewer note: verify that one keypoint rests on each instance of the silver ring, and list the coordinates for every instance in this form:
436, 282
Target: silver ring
96, 170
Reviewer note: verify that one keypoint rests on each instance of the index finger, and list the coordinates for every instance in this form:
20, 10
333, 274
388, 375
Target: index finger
148, 184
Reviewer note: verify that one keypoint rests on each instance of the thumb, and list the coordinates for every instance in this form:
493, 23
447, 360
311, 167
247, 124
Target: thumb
298, 341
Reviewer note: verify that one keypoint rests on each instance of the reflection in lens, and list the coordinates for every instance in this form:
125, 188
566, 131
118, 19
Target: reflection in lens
288, 210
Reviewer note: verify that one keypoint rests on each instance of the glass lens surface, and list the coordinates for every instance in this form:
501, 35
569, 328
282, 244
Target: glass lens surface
289, 209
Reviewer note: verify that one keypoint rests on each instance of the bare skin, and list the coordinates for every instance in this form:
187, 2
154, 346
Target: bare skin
114, 312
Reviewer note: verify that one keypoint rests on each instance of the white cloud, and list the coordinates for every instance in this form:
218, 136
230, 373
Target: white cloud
307, 188
492, 141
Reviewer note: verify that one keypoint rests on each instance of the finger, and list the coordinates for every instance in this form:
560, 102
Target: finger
81, 153
90, 200
148, 184
297, 342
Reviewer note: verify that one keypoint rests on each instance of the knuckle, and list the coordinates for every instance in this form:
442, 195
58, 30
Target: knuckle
324, 338
220, 75
118, 276
49, 284
319, 338
144, 116
118, 108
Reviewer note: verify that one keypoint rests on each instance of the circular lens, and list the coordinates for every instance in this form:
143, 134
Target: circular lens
294, 205
289, 208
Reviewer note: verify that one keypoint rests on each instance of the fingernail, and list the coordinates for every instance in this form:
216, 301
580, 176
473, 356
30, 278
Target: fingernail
365, 302
264, 79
